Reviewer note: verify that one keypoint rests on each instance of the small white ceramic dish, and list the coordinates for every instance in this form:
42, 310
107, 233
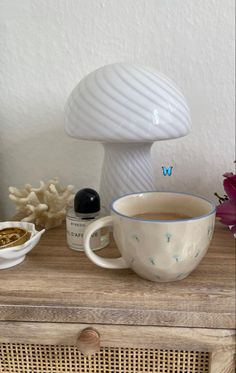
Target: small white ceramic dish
11, 256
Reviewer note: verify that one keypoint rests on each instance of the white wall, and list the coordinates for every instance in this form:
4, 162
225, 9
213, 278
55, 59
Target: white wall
47, 46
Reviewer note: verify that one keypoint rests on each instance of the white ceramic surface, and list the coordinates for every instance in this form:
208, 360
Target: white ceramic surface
126, 103
126, 168
12, 256
157, 250
126, 107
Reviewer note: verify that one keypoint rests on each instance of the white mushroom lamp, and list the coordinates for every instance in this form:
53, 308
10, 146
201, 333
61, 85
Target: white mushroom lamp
126, 108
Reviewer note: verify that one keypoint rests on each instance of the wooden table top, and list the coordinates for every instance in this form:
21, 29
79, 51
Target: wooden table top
56, 284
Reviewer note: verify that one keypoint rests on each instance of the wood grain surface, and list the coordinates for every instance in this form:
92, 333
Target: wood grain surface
222, 362
189, 339
56, 284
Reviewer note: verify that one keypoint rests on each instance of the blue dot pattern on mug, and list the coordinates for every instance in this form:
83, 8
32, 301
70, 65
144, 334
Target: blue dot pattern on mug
168, 236
152, 261
176, 257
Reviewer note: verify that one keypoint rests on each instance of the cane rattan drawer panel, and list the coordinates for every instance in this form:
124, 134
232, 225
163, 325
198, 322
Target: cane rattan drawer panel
33, 358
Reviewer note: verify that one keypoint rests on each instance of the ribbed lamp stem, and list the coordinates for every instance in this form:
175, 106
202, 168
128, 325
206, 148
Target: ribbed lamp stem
126, 169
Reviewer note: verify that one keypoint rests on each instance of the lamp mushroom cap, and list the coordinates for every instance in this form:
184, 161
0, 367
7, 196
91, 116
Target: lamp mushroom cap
126, 103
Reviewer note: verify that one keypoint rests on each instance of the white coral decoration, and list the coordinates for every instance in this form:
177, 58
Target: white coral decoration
45, 206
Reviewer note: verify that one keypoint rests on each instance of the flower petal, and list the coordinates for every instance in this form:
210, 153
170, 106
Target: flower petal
233, 228
227, 213
228, 174
230, 188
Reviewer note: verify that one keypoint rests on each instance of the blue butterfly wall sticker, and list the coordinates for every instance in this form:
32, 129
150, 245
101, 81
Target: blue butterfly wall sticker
167, 171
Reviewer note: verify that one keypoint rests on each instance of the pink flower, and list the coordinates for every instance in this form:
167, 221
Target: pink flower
226, 211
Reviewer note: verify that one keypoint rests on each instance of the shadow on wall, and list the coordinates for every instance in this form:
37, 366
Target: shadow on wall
44, 155
192, 169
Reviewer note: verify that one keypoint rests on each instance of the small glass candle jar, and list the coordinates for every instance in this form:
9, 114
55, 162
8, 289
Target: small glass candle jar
86, 209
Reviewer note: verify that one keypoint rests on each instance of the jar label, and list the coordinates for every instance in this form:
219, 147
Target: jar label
75, 234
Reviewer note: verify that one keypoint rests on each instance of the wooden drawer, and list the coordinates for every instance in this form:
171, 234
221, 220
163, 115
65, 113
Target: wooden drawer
52, 347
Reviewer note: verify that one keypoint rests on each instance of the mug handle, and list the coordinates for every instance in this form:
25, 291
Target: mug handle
117, 263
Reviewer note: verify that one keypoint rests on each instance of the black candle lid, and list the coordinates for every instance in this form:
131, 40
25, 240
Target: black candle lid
87, 201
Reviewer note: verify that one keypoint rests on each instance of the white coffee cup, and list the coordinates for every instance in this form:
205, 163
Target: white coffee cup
157, 250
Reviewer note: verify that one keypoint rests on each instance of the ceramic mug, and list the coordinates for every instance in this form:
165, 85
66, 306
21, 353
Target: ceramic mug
157, 250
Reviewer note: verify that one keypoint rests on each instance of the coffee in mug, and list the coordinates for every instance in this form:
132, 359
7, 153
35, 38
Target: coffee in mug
161, 216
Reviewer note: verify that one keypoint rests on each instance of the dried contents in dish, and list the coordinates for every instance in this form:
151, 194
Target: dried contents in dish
13, 236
